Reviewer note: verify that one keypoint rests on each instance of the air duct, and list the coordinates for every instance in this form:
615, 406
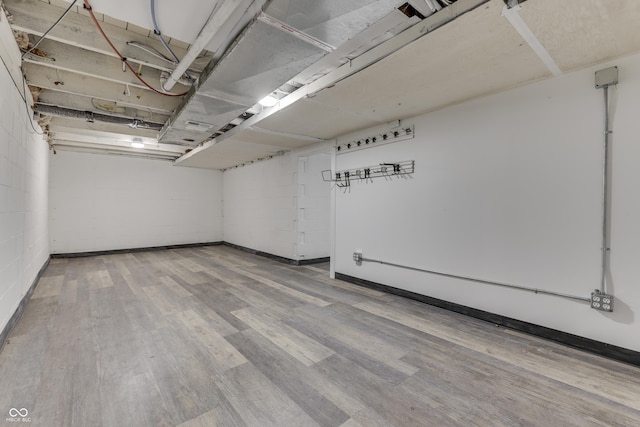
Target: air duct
282, 41
225, 12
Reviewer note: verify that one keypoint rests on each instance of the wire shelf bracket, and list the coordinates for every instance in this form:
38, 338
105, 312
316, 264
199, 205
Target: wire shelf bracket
383, 170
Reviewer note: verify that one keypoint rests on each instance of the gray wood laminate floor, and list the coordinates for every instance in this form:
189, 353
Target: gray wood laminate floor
214, 336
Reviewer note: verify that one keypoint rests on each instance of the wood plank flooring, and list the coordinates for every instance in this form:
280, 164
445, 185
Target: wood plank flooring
217, 337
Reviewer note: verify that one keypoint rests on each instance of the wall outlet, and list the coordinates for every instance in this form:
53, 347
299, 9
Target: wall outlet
600, 301
357, 257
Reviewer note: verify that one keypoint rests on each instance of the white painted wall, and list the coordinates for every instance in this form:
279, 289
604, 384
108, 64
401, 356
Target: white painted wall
313, 205
280, 206
101, 202
24, 243
508, 188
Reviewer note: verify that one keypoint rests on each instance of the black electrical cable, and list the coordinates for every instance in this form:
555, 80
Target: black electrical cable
55, 24
122, 58
26, 105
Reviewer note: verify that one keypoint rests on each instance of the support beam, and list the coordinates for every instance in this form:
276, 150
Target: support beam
63, 139
83, 127
511, 13
129, 152
287, 135
65, 57
77, 84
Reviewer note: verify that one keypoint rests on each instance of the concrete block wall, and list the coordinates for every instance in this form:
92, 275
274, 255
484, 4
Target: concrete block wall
280, 206
24, 243
260, 202
100, 202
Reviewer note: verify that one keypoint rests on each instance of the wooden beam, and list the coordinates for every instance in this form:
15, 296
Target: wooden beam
35, 17
81, 127
70, 139
71, 58
101, 133
81, 85
129, 152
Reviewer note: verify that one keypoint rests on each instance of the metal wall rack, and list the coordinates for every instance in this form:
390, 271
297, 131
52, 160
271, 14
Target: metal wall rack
396, 134
383, 170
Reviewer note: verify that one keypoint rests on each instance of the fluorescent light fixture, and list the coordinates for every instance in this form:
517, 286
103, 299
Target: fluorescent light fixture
268, 101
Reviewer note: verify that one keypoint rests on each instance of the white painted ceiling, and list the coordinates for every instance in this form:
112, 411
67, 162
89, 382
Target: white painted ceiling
478, 53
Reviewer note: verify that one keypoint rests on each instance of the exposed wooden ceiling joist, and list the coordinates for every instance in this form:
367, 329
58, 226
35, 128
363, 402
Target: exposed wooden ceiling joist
66, 57
74, 69
82, 127
35, 17
71, 139
69, 133
113, 150
81, 85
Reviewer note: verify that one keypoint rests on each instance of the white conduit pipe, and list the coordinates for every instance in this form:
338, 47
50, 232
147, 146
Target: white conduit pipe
605, 195
221, 13
483, 281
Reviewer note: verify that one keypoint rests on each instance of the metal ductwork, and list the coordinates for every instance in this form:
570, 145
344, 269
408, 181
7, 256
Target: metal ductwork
300, 41
49, 110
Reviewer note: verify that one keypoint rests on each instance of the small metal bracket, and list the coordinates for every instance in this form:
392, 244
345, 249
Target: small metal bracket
600, 301
513, 3
357, 257
396, 134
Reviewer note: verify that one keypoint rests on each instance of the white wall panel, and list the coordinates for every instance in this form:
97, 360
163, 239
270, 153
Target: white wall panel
101, 202
313, 206
263, 203
24, 243
508, 188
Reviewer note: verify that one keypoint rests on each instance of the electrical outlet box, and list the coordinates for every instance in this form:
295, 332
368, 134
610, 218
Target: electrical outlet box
357, 257
600, 301
607, 77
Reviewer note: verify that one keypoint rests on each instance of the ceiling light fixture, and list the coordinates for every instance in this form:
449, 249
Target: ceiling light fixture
137, 143
268, 101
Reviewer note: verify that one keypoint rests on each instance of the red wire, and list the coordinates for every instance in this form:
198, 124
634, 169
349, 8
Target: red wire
122, 58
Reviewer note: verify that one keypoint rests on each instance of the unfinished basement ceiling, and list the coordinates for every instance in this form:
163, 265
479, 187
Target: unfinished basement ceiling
294, 50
